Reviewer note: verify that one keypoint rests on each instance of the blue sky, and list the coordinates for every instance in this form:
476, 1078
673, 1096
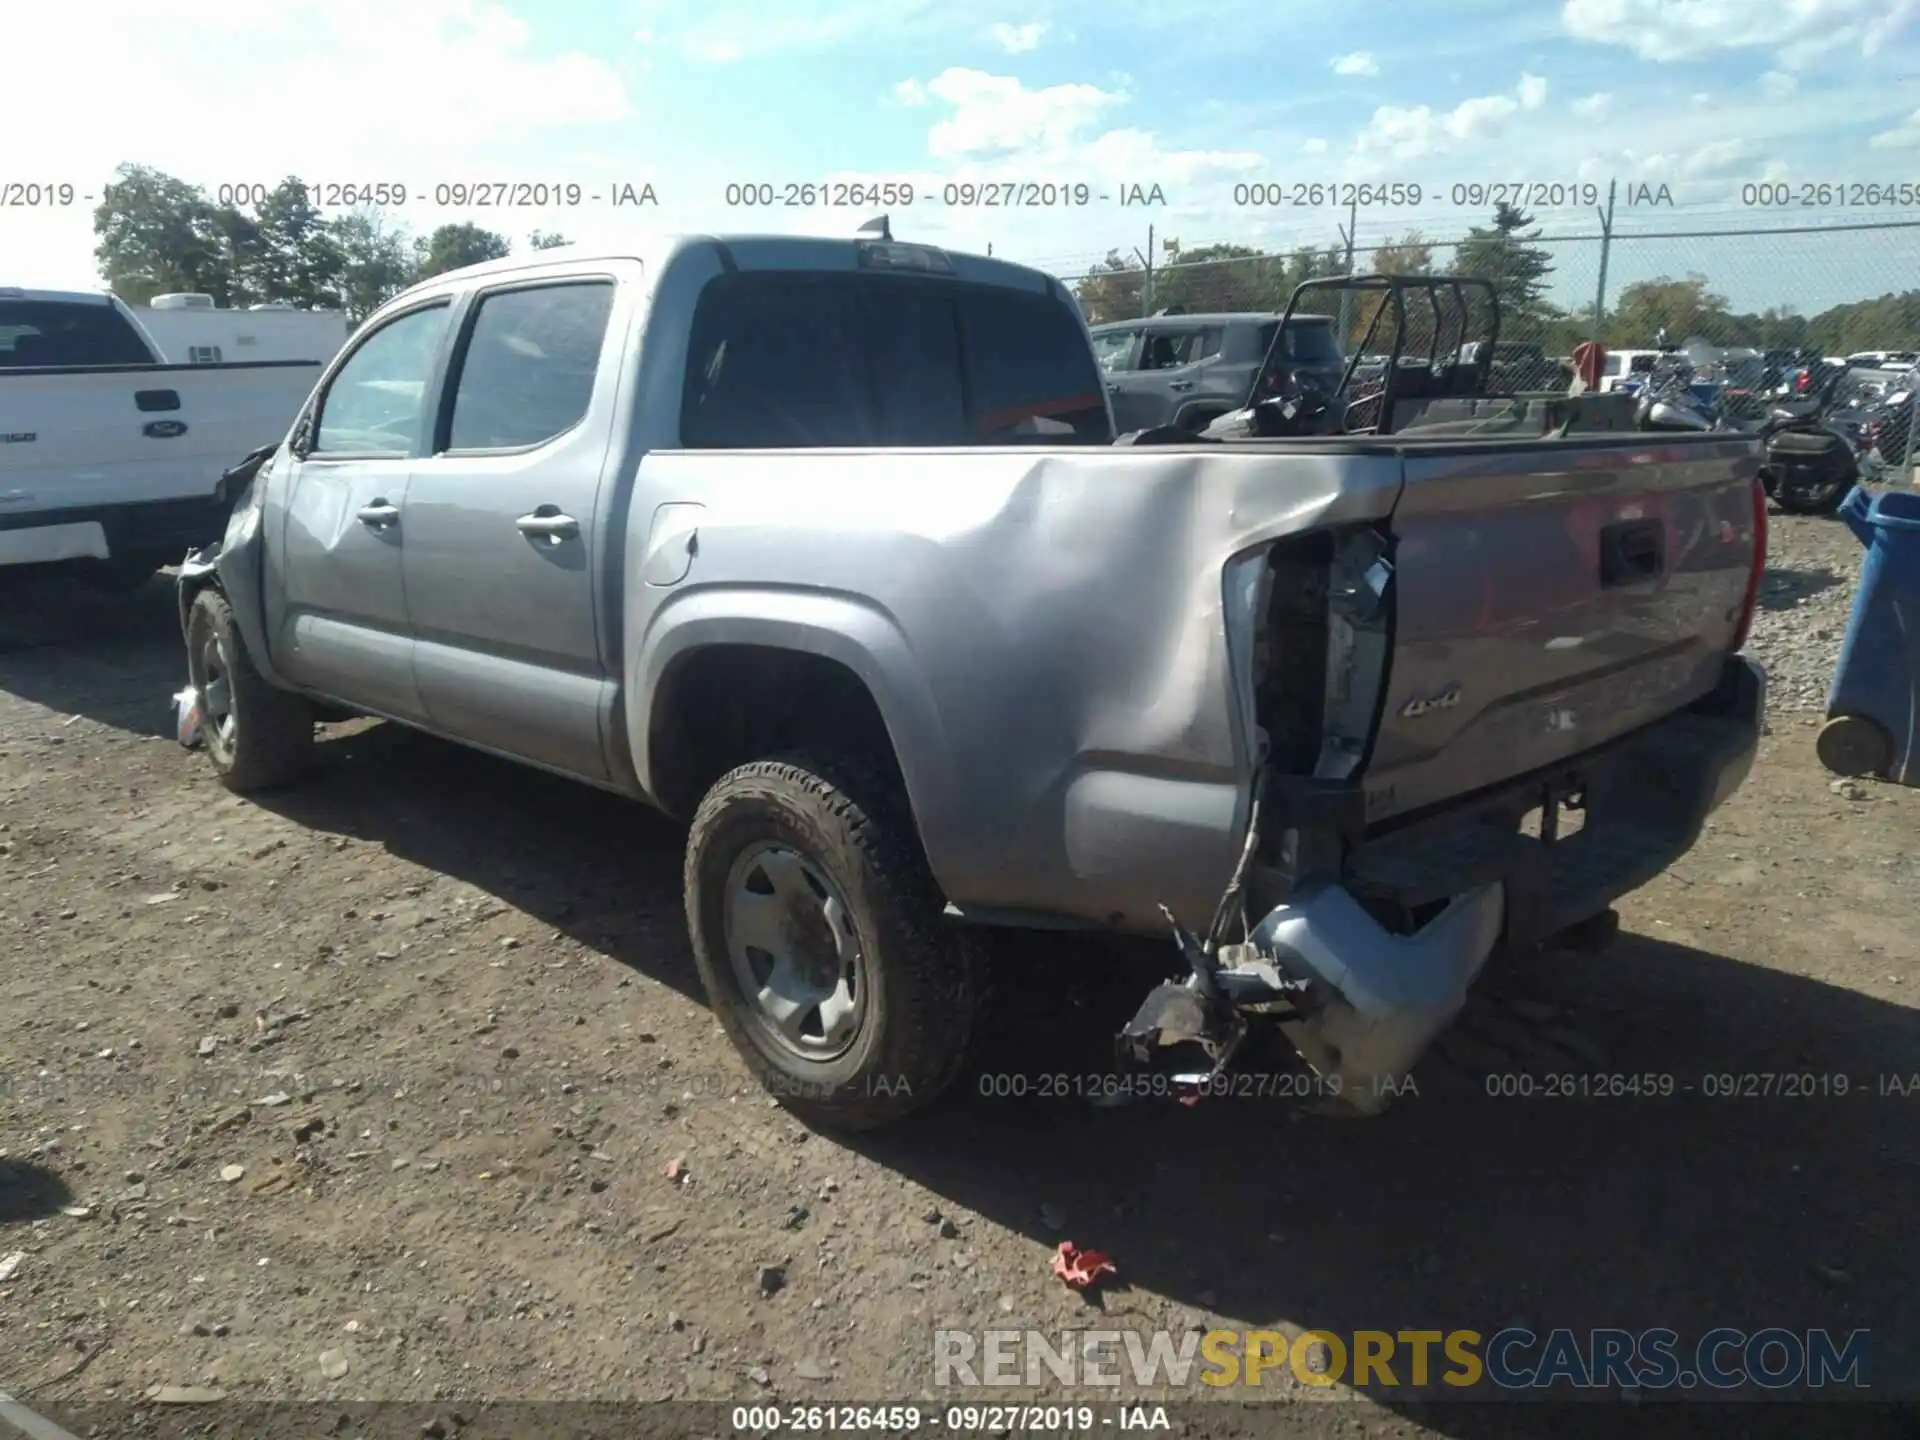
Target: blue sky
1704, 96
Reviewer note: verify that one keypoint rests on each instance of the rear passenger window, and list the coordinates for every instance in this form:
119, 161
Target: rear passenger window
811, 361
528, 370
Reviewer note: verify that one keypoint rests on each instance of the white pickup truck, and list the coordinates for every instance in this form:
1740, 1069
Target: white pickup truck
110, 457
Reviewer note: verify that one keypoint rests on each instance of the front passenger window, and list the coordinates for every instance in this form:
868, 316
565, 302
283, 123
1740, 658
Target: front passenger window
375, 401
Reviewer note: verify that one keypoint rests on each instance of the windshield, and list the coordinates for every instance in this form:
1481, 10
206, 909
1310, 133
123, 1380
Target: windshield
66, 332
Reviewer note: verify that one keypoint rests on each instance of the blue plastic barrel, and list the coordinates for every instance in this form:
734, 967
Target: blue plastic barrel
1873, 710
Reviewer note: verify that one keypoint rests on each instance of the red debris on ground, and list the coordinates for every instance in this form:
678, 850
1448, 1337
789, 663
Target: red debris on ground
1081, 1268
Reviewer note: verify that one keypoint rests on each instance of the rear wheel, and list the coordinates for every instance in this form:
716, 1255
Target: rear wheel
818, 933
257, 736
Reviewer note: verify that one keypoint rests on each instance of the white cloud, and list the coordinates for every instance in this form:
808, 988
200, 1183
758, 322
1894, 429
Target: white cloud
1668, 30
1905, 137
995, 114
1715, 160
1779, 84
1019, 39
1315, 146
439, 67
995, 119
910, 92
1410, 132
1594, 106
1360, 62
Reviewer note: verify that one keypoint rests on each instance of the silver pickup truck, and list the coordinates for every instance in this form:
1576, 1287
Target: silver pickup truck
826, 546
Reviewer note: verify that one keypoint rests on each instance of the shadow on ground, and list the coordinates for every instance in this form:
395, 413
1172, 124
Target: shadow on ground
1460, 1209
598, 868
1785, 587
29, 1192
113, 658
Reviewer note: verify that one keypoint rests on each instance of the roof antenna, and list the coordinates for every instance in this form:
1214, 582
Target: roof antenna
877, 226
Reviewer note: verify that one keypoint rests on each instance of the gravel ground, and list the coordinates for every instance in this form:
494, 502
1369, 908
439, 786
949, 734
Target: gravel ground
1804, 604
398, 1086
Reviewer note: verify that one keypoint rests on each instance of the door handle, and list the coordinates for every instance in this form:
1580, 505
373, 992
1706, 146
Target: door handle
547, 523
379, 515
1180, 385
1112, 388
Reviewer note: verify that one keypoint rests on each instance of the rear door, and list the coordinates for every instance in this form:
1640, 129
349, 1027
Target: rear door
343, 624
502, 521
1552, 597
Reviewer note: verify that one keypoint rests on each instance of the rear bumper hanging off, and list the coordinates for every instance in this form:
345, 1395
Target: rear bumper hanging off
1361, 1002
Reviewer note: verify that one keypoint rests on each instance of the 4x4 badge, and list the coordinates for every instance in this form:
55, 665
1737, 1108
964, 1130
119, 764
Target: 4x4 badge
1445, 700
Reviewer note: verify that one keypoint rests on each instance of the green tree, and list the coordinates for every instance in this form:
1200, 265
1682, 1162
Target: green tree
547, 240
453, 247
375, 262
295, 260
1212, 277
1683, 308
1515, 266
1111, 290
1889, 322
156, 234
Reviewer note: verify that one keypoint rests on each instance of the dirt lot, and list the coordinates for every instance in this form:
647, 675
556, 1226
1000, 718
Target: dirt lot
435, 1017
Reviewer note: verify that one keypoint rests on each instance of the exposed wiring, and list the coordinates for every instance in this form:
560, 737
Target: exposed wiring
1223, 911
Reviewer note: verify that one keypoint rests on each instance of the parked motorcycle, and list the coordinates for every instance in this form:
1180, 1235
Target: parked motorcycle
1887, 428
1810, 464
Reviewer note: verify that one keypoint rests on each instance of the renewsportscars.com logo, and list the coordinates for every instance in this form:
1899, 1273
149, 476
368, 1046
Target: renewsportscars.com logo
1456, 1360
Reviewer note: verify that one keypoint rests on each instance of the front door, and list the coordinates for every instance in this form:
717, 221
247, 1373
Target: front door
504, 526
343, 624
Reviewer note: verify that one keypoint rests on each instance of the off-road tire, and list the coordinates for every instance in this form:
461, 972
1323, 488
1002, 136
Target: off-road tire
273, 739
925, 975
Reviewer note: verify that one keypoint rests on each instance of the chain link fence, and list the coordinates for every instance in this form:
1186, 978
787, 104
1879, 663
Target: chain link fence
1831, 291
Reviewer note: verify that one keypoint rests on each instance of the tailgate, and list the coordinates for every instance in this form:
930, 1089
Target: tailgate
1551, 597
78, 439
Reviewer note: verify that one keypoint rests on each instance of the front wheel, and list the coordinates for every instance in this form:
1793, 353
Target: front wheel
258, 737
818, 934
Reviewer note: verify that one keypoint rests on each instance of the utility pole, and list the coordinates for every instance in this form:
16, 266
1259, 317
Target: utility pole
1346, 293
1146, 282
1606, 244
